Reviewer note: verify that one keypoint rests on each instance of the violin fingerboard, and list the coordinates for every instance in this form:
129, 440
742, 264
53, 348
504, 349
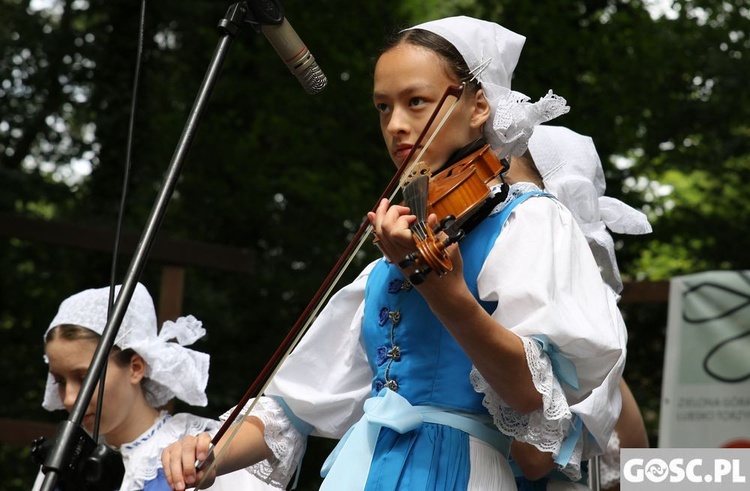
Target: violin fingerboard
415, 197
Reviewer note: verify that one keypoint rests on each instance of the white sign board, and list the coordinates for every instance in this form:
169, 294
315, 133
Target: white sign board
705, 399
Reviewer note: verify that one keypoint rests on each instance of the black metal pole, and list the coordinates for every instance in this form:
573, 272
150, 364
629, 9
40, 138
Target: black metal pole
65, 446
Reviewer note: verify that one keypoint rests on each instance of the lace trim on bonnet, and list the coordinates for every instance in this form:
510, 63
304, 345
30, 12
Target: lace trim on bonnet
516, 118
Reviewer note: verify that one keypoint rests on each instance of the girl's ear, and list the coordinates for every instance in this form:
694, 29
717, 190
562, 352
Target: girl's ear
481, 110
138, 368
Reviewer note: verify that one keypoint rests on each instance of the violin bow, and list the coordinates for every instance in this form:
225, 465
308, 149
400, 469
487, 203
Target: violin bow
300, 327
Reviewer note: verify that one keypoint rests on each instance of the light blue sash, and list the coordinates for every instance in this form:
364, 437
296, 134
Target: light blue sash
351, 459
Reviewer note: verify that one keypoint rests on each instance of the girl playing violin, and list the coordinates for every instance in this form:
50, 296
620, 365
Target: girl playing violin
426, 384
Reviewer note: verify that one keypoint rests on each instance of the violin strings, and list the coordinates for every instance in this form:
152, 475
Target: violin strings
422, 198
415, 197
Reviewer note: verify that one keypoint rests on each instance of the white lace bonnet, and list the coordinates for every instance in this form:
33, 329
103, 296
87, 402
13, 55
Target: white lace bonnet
173, 370
572, 171
491, 52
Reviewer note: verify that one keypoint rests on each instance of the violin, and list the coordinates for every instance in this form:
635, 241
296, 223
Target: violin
461, 196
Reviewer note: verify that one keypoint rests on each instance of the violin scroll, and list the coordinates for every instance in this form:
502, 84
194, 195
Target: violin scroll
430, 254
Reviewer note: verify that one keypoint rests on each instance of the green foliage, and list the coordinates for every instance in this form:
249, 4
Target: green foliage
291, 176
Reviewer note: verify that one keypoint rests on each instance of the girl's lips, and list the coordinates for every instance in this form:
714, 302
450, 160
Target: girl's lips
401, 154
402, 151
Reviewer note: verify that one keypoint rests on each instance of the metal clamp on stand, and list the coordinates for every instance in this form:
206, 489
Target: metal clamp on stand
83, 465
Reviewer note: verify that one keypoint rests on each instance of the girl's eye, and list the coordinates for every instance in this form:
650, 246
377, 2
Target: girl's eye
416, 101
382, 107
59, 381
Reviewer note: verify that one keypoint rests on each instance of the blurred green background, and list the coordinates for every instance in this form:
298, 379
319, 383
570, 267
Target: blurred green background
286, 178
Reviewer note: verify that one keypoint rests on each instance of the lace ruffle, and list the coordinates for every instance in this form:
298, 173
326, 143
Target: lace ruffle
545, 428
516, 117
142, 457
573, 469
286, 443
609, 463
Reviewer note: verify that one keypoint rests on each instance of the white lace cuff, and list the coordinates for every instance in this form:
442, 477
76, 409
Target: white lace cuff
545, 428
286, 443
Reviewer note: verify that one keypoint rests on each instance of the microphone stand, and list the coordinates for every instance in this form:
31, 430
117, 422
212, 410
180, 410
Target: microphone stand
70, 444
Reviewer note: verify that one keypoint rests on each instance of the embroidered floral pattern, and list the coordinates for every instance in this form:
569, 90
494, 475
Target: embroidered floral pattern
383, 316
382, 354
395, 285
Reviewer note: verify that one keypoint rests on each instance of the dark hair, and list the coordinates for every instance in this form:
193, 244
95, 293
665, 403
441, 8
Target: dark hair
71, 332
454, 62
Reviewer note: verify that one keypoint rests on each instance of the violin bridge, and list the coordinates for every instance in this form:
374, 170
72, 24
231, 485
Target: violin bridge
415, 197
415, 170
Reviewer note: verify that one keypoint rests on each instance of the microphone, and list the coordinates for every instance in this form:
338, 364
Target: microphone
289, 46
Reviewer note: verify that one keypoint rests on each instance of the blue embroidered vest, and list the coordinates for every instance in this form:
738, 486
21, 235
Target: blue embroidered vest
408, 349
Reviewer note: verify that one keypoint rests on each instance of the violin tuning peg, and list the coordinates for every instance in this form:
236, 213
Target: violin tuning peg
419, 275
457, 236
447, 222
407, 261
417, 278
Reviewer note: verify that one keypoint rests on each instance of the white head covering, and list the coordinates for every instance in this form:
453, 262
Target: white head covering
572, 172
173, 370
491, 52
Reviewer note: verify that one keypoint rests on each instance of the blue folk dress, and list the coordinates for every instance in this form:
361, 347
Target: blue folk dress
416, 361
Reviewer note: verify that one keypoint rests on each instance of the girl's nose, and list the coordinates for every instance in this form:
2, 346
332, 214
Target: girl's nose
70, 395
398, 122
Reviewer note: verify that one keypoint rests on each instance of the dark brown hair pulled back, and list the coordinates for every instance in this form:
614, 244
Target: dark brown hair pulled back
454, 62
